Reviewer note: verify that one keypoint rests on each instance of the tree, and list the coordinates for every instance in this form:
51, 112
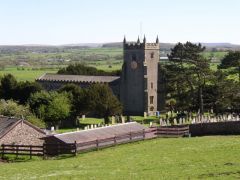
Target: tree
78, 99
103, 102
58, 109
232, 59
24, 90
12, 109
192, 68
81, 69
8, 86
52, 107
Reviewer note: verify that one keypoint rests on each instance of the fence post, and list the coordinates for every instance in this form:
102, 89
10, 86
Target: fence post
17, 151
30, 151
97, 145
2, 151
44, 151
143, 134
115, 140
75, 146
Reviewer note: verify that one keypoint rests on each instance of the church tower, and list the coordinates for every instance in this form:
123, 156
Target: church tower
139, 79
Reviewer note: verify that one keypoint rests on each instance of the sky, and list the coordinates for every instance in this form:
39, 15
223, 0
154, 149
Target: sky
57, 22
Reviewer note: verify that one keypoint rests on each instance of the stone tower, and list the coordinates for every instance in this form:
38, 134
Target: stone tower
139, 77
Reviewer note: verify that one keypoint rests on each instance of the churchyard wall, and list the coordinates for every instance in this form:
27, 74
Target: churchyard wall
215, 128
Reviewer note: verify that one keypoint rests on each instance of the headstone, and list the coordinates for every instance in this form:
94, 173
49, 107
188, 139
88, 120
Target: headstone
83, 117
92, 126
151, 124
145, 115
85, 128
113, 120
52, 128
168, 123
175, 121
123, 119
180, 121
183, 120
229, 117
77, 129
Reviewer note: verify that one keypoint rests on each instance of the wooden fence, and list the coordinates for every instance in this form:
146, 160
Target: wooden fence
29, 150
74, 148
172, 131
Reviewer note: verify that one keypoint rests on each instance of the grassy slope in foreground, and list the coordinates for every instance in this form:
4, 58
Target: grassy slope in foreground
178, 158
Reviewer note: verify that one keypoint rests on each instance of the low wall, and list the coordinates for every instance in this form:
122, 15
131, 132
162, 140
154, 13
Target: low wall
216, 128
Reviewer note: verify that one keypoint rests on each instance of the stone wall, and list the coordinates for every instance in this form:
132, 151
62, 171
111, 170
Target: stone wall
23, 134
216, 128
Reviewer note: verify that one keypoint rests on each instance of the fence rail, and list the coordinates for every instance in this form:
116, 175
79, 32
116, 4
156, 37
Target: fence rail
73, 148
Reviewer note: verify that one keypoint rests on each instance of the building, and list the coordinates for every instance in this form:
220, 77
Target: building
139, 80
106, 136
136, 88
19, 131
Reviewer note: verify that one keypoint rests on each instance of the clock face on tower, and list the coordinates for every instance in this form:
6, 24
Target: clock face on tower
134, 65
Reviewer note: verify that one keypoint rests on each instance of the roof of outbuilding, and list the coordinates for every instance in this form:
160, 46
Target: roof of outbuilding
99, 133
8, 123
77, 78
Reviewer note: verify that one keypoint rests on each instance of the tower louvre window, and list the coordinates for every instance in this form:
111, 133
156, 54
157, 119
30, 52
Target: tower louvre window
151, 99
152, 55
151, 85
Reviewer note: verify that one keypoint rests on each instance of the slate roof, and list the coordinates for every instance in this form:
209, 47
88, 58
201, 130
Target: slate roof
8, 123
77, 78
99, 133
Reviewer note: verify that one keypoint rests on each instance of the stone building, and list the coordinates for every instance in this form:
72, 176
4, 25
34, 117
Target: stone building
139, 80
136, 88
18, 131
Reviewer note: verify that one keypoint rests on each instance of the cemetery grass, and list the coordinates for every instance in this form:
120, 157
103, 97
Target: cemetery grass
163, 158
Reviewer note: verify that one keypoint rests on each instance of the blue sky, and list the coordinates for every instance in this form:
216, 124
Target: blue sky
89, 21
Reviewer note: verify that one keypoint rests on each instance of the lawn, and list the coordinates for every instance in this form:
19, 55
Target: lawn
176, 158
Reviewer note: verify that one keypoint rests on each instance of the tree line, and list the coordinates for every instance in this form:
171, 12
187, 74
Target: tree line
56, 108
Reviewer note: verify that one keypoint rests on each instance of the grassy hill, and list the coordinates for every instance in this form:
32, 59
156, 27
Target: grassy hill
177, 158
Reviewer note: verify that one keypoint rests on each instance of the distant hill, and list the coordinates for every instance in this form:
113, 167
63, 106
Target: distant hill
168, 46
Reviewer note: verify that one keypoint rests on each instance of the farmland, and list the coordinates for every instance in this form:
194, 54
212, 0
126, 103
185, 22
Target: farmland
28, 64
176, 158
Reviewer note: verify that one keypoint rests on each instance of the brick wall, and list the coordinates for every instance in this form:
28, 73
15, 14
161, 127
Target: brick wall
216, 128
23, 134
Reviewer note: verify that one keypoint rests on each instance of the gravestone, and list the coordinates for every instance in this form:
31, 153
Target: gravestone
175, 121
113, 120
83, 117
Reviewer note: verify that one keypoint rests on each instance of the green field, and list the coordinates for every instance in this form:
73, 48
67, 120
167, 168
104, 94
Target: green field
27, 74
215, 157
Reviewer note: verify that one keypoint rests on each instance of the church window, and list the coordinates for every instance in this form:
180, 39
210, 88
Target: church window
151, 99
151, 85
152, 55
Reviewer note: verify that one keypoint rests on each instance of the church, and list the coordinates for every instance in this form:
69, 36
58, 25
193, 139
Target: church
136, 88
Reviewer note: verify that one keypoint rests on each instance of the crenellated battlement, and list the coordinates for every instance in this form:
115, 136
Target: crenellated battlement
135, 45
140, 45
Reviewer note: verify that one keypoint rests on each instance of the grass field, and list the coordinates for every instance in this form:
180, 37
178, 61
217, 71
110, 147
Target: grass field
215, 157
26, 74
